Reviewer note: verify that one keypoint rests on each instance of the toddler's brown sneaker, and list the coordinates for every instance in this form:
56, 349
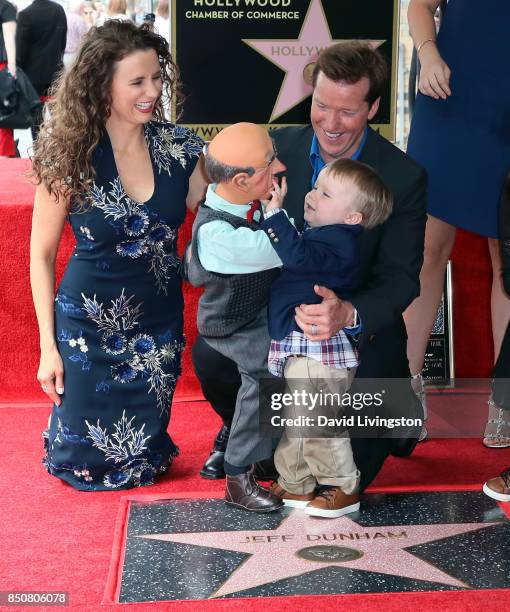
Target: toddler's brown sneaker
499, 487
293, 500
332, 502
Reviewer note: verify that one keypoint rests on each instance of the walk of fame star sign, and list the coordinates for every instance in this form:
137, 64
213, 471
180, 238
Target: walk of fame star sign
251, 60
196, 549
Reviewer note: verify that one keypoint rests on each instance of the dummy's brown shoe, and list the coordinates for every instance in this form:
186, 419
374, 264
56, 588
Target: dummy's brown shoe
499, 487
244, 492
293, 500
332, 502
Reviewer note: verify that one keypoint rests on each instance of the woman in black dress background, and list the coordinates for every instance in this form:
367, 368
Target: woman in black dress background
111, 339
499, 487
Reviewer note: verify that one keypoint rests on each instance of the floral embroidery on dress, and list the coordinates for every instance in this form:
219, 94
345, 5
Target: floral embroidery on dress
86, 232
78, 343
64, 435
85, 238
65, 305
162, 142
102, 387
142, 356
125, 446
142, 238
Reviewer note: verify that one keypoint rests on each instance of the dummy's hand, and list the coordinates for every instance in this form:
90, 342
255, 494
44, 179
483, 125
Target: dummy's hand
278, 194
51, 374
328, 317
434, 73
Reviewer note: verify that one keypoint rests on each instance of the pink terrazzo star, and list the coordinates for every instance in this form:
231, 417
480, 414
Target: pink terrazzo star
274, 552
293, 56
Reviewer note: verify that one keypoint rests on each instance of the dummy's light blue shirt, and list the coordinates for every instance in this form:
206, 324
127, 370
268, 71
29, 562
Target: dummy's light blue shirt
227, 250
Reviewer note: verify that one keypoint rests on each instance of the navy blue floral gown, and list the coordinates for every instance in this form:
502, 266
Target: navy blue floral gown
119, 323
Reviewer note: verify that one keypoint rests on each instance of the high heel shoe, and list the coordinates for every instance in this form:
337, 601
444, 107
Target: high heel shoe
497, 430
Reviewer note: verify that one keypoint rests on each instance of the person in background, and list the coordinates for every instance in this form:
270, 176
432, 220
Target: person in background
77, 27
162, 22
100, 13
7, 60
457, 126
90, 14
117, 10
499, 487
40, 44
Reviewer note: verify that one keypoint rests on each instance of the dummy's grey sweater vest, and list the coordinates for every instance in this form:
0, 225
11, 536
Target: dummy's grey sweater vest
229, 301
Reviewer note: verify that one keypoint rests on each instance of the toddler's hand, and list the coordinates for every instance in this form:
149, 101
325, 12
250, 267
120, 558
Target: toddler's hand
278, 194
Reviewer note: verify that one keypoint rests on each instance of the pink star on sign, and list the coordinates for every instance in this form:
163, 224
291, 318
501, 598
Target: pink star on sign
273, 553
293, 56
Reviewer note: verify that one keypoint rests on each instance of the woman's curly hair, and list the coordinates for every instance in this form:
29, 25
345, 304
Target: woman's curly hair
79, 105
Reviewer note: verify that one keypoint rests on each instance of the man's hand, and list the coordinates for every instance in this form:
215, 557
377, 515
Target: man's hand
326, 318
278, 194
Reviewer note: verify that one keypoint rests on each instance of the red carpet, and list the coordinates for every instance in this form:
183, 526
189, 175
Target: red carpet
57, 538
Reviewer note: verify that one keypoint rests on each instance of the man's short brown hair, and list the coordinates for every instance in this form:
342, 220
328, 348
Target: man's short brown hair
351, 61
374, 200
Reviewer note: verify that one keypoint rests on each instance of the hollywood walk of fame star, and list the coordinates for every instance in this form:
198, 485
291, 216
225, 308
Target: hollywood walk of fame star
294, 56
275, 554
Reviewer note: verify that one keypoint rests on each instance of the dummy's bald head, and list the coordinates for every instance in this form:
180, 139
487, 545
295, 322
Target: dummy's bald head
241, 147
242, 161
241, 144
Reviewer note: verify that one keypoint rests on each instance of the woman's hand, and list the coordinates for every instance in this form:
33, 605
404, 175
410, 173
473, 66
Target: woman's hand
434, 73
278, 194
51, 374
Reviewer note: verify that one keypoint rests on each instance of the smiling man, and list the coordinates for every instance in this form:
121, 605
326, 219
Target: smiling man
348, 83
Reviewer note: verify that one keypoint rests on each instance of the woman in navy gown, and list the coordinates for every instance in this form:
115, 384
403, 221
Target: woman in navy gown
111, 339
460, 133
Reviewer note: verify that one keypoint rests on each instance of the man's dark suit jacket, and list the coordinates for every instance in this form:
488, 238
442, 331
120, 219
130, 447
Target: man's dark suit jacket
40, 42
391, 254
326, 256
